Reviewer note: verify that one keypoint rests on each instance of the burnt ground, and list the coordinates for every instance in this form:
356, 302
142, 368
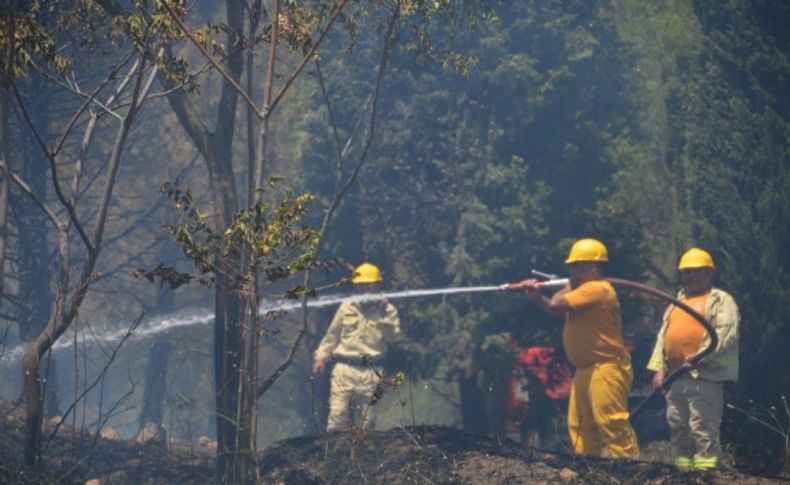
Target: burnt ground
74, 457
427, 454
432, 454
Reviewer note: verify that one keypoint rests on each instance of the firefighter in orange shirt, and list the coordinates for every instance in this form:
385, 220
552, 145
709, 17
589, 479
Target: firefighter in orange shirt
696, 400
593, 341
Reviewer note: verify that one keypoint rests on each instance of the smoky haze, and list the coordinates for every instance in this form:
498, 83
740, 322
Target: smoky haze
466, 148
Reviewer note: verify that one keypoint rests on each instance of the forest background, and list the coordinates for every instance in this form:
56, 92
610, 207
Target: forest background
488, 138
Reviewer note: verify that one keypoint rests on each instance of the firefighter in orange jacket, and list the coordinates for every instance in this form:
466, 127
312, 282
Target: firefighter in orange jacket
593, 341
695, 401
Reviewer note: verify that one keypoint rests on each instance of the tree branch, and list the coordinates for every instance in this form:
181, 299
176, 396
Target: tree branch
111, 7
210, 59
115, 159
87, 137
29, 192
228, 98
253, 21
376, 94
53, 170
328, 102
264, 385
188, 117
102, 373
308, 56
88, 102
267, 98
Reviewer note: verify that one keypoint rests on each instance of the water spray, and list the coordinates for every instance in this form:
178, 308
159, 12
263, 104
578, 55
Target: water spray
191, 317
550, 281
279, 305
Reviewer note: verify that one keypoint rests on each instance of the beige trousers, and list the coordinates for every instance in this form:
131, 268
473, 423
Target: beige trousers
694, 409
351, 389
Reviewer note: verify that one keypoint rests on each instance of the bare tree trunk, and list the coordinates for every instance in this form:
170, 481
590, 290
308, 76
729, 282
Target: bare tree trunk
227, 360
31, 223
63, 314
248, 397
5, 186
5, 125
155, 392
154, 395
34, 351
236, 406
216, 149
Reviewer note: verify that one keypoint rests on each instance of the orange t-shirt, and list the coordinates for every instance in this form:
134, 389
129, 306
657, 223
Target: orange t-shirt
684, 333
593, 331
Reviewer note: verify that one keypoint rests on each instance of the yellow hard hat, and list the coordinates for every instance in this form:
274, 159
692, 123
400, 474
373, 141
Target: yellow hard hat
696, 258
587, 250
366, 273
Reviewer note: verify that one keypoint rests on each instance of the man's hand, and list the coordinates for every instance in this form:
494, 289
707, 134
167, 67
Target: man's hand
318, 367
556, 306
532, 289
658, 379
383, 304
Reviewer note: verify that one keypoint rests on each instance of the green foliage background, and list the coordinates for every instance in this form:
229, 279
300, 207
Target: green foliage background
653, 126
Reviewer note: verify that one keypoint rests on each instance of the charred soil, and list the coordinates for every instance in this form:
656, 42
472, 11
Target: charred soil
430, 454
425, 454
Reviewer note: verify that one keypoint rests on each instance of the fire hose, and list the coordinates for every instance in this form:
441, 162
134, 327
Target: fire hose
554, 282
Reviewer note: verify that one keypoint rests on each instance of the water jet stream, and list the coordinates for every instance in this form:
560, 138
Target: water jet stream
186, 318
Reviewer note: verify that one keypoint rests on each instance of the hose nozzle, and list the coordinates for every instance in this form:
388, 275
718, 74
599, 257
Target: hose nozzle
551, 284
545, 276
555, 284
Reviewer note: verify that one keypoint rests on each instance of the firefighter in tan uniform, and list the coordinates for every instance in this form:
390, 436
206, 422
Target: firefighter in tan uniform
356, 341
696, 400
593, 341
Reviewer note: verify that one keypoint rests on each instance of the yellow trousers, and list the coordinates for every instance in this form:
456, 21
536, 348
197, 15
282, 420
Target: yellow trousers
598, 410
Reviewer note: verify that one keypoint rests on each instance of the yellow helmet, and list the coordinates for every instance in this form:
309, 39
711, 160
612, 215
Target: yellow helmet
366, 273
696, 258
587, 250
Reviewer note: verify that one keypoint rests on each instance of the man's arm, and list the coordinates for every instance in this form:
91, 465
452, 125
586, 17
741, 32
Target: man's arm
556, 305
390, 325
330, 341
656, 362
726, 323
